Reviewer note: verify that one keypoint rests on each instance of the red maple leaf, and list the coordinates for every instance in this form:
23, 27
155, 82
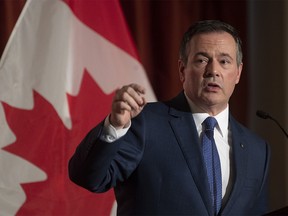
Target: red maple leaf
43, 140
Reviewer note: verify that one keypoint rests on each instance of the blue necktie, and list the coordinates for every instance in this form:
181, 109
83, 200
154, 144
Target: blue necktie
212, 162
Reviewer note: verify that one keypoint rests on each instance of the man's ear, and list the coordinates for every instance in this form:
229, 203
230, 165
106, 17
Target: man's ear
181, 68
240, 67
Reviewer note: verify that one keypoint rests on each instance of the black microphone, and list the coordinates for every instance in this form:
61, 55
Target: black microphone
265, 115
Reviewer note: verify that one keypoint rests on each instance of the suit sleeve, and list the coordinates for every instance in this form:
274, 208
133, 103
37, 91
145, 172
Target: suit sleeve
98, 165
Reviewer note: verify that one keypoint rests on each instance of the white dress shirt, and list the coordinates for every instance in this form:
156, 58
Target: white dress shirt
222, 137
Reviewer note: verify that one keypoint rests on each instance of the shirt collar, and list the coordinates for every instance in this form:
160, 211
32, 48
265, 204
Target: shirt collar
222, 118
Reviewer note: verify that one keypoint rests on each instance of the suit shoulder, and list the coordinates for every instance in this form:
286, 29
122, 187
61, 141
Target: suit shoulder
156, 107
178, 103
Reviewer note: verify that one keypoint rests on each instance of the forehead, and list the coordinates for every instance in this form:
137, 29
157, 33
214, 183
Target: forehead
214, 41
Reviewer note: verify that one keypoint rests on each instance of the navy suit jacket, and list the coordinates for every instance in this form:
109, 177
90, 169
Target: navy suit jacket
157, 167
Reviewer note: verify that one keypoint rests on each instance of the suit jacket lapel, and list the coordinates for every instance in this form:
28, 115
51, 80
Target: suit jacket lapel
238, 165
185, 131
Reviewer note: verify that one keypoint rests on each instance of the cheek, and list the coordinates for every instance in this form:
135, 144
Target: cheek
191, 79
232, 79
229, 87
192, 84
236, 80
237, 75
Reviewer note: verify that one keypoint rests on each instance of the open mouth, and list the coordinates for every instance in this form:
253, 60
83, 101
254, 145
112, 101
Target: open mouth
211, 86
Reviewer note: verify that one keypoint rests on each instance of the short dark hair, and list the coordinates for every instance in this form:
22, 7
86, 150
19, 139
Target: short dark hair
208, 26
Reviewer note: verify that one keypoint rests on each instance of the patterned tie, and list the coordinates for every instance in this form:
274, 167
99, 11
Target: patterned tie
212, 162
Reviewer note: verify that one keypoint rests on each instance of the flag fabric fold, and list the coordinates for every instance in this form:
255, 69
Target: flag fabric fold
58, 74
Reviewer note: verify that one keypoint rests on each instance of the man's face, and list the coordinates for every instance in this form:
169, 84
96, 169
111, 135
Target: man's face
211, 72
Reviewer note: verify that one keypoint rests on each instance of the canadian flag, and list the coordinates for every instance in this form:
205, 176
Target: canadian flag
58, 74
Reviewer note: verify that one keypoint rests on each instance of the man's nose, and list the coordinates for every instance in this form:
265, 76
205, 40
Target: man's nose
212, 69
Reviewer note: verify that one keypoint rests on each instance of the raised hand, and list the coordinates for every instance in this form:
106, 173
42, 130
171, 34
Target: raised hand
127, 103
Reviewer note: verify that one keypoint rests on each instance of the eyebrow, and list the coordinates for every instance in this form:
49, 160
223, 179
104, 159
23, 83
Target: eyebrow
207, 55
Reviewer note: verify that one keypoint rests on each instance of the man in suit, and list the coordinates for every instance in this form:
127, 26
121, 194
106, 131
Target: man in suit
153, 154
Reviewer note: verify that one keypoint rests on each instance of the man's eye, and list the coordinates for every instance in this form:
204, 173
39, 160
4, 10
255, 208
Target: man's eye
202, 61
225, 61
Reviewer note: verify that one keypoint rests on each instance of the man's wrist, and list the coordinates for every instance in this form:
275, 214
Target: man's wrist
110, 133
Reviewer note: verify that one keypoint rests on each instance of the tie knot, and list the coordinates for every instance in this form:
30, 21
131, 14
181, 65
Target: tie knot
210, 123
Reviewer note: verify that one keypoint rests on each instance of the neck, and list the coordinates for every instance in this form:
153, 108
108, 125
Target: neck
211, 110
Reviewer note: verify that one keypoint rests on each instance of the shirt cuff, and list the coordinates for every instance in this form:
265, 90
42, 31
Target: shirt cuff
110, 133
